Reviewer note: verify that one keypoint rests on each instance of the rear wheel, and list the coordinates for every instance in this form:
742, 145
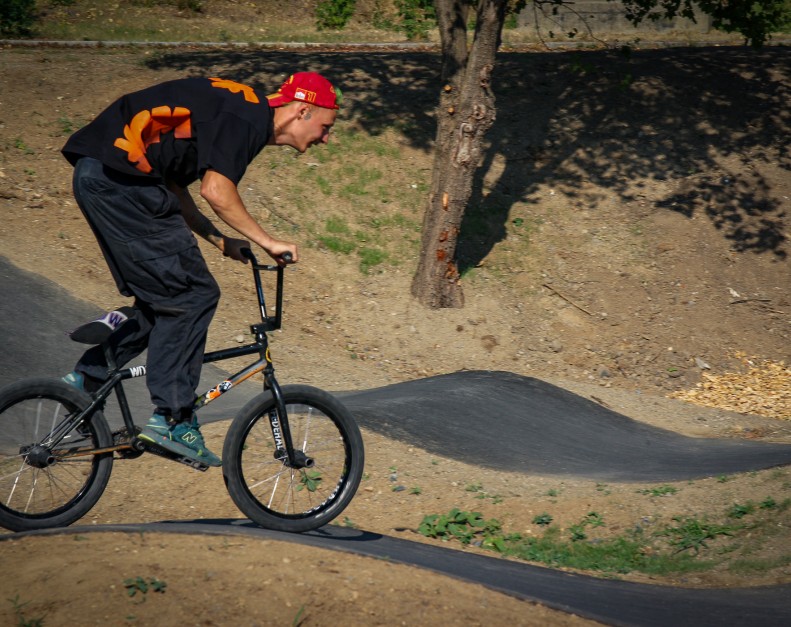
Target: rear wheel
327, 440
45, 483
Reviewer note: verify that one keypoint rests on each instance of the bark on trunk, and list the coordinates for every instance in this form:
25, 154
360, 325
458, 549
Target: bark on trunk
465, 113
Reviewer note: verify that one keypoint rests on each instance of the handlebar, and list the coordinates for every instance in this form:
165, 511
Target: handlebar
287, 257
270, 323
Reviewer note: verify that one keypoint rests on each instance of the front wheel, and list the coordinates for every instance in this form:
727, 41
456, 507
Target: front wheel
45, 481
260, 481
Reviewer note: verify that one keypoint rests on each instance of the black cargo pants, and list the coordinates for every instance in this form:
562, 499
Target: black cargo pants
154, 257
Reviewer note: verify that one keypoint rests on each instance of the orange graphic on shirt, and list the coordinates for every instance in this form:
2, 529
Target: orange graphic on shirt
145, 129
235, 88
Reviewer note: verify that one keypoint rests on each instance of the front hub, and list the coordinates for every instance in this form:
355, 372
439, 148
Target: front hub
300, 459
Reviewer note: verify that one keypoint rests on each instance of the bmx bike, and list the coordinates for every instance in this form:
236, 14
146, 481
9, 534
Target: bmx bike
292, 457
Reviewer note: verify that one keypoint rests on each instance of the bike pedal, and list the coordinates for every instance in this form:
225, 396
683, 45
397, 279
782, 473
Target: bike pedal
150, 447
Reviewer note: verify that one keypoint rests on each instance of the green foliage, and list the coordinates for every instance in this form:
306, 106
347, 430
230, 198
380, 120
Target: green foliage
755, 21
334, 14
143, 586
768, 503
660, 491
691, 533
416, 18
459, 525
577, 531
370, 257
542, 519
17, 17
740, 511
20, 616
336, 244
679, 551
299, 617
309, 480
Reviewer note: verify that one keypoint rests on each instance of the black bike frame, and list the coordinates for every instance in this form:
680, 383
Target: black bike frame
278, 419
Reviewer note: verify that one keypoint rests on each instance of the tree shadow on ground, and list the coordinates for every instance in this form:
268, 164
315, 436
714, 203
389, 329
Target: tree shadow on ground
580, 122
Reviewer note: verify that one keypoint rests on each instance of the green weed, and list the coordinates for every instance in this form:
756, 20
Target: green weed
309, 480
337, 244
458, 525
20, 615
660, 491
632, 551
371, 257
142, 586
66, 126
543, 520
299, 617
578, 530
693, 534
740, 511
20, 144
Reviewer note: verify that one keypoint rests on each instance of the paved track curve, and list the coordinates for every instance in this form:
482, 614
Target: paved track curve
494, 419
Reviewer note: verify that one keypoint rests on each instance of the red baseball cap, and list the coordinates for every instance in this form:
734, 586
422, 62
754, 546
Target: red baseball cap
307, 87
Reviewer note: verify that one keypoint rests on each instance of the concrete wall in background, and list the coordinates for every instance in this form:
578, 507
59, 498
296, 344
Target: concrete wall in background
607, 20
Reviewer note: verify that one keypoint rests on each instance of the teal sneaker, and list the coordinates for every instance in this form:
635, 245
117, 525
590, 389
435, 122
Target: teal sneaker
76, 380
82, 382
183, 438
188, 435
157, 429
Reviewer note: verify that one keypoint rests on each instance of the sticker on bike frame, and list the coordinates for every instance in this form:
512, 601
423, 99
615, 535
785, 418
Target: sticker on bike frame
218, 390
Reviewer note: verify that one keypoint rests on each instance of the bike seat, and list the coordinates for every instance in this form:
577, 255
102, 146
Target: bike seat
97, 331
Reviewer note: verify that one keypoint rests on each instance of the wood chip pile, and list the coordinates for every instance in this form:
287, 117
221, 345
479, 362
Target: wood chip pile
764, 390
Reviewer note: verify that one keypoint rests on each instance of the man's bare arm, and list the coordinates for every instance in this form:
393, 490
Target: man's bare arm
221, 193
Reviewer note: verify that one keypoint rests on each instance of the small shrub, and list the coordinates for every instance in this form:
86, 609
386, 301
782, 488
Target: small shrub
543, 520
417, 18
334, 14
693, 534
17, 17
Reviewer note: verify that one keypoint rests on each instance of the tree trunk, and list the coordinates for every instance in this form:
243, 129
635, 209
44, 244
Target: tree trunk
465, 113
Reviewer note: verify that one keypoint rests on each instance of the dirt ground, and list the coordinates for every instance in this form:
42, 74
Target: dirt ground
640, 248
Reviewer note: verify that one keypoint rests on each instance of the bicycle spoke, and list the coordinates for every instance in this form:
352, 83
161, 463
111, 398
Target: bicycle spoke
314, 487
16, 481
41, 486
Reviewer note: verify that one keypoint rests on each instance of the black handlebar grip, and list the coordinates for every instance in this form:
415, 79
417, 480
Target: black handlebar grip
287, 257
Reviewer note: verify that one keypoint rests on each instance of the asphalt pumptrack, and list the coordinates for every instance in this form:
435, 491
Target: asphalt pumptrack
534, 427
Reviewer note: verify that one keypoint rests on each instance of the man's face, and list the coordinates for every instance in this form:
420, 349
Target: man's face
314, 128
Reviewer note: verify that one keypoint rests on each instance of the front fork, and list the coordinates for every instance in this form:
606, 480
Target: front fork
281, 430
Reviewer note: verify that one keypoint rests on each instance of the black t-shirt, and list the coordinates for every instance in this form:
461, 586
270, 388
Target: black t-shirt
177, 130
